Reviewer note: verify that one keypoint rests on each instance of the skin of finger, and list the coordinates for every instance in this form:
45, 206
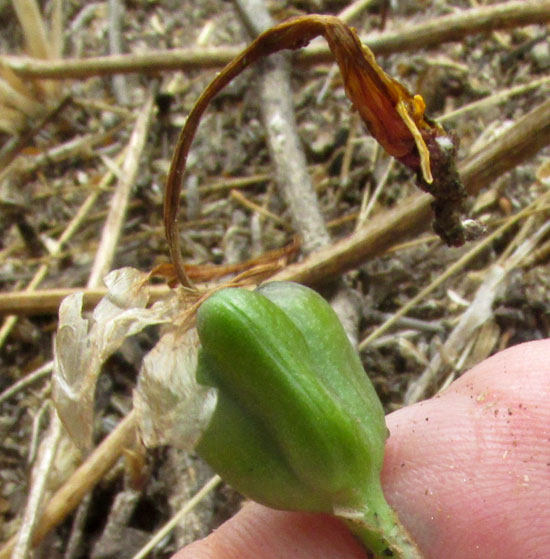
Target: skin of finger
262, 533
468, 472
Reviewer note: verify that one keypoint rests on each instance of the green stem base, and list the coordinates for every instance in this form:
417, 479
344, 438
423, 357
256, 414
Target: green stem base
380, 531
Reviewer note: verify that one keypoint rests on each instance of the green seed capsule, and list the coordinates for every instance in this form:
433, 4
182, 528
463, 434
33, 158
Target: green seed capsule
297, 388
337, 362
297, 425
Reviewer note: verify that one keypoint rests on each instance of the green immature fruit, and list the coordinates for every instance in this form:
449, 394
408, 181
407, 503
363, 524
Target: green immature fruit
261, 362
337, 363
297, 425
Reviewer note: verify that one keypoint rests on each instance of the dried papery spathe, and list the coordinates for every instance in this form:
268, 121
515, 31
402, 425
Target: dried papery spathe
172, 407
83, 345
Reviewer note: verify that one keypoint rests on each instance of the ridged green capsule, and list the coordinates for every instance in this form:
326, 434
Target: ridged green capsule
336, 362
298, 425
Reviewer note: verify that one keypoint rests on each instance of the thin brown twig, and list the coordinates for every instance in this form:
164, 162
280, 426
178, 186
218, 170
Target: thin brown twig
449, 28
47, 301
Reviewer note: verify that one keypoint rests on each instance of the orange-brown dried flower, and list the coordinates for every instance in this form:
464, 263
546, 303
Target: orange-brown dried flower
392, 114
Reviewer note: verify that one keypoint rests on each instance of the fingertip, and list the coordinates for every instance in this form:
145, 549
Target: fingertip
468, 470
518, 370
258, 531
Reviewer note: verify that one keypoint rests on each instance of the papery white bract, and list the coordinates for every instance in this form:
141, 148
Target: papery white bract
82, 346
73, 354
172, 408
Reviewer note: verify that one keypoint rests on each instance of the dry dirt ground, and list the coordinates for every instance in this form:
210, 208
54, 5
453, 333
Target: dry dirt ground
234, 208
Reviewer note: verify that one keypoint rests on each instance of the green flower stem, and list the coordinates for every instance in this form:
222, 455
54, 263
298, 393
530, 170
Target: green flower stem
379, 529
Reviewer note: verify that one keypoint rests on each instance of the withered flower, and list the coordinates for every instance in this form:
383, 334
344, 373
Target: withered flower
392, 114
397, 121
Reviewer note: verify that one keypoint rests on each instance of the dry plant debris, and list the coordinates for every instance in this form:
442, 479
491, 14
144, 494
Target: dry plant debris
476, 67
22, 100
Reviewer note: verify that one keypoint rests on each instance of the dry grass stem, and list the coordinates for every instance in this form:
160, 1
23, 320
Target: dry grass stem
40, 474
476, 329
454, 27
347, 158
524, 139
120, 87
119, 203
453, 269
354, 10
56, 29
67, 498
528, 135
462, 338
29, 98
394, 117
82, 145
242, 199
77, 527
495, 99
367, 204
177, 518
47, 301
234, 183
70, 230
287, 154
34, 29
40, 373
8, 155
